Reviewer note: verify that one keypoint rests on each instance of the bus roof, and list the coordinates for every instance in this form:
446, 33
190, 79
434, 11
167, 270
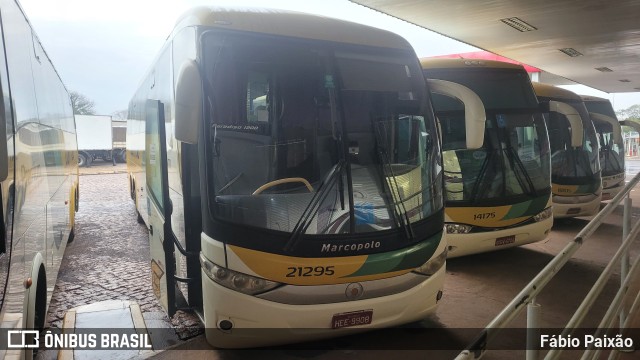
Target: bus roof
289, 23
444, 63
554, 92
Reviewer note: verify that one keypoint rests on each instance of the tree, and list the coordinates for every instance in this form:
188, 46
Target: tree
82, 105
120, 114
631, 113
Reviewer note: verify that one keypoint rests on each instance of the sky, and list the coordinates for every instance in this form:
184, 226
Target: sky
102, 49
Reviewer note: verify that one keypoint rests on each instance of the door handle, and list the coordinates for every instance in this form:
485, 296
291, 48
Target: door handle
151, 230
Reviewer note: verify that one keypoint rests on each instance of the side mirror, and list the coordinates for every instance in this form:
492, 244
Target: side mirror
615, 125
188, 102
632, 124
474, 112
575, 121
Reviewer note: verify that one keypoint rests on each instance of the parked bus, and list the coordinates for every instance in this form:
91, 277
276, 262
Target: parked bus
576, 181
296, 161
609, 134
497, 196
38, 174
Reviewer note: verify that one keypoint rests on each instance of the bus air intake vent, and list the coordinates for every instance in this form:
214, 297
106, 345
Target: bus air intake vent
571, 52
518, 24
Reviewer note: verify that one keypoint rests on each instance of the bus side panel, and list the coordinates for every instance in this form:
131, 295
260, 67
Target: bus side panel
7, 185
18, 42
136, 163
57, 137
136, 155
45, 164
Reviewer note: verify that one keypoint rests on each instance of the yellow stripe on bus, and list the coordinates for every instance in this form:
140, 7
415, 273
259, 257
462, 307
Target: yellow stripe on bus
564, 189
482, 216
305, 271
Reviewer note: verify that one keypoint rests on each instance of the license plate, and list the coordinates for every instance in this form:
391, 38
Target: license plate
354, 318
573, 211
505, 240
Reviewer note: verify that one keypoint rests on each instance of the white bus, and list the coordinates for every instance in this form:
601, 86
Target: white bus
611, 144
576, 181
497, 196
289, 170
38, 175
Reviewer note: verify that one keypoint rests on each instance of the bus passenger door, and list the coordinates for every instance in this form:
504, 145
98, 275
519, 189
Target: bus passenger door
159, 207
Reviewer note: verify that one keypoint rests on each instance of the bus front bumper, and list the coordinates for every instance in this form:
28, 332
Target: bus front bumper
236, 320
474, 243
566, 209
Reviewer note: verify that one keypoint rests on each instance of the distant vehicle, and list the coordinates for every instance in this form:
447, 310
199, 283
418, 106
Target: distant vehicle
99, 137
576, 181
38, 175
289, 170
497, 196
119, 132
611, 144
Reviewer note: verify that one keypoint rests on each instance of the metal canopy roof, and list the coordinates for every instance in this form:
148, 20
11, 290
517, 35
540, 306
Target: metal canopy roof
592, 42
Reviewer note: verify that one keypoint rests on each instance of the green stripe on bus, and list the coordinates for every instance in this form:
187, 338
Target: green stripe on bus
408, 258
527, 208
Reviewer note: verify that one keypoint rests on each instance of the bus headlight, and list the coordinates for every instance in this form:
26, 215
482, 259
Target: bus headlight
543, 215
234, 280
457, 228
432, 266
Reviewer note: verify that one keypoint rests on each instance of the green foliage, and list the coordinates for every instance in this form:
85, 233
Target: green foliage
631, 113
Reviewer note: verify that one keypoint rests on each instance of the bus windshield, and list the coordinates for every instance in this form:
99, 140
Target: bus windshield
514, 159
611, 149
573, 166
312, 137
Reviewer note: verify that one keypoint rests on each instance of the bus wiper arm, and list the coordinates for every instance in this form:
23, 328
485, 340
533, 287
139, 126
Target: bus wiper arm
311, 209
525, 173
401, 215
479, 179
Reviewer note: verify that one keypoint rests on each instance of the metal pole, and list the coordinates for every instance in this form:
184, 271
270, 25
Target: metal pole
533, 330
624, 262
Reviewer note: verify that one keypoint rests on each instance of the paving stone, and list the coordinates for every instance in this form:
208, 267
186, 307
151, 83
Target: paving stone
109, 259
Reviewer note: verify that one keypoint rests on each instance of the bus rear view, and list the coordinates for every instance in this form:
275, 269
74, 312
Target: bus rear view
575, 165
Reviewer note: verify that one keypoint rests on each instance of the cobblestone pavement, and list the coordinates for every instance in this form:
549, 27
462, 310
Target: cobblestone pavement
109, 257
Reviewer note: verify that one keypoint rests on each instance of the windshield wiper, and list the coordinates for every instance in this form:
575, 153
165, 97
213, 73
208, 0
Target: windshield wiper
402, 217
516, 159
314, 205
479, 179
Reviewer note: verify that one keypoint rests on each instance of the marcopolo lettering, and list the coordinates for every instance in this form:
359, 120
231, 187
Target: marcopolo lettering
338, 248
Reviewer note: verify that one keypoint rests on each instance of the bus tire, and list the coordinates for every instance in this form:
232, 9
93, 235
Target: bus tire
72, 235
36, 296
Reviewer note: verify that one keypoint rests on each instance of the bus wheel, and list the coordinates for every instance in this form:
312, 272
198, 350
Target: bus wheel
41, 298
72, 234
